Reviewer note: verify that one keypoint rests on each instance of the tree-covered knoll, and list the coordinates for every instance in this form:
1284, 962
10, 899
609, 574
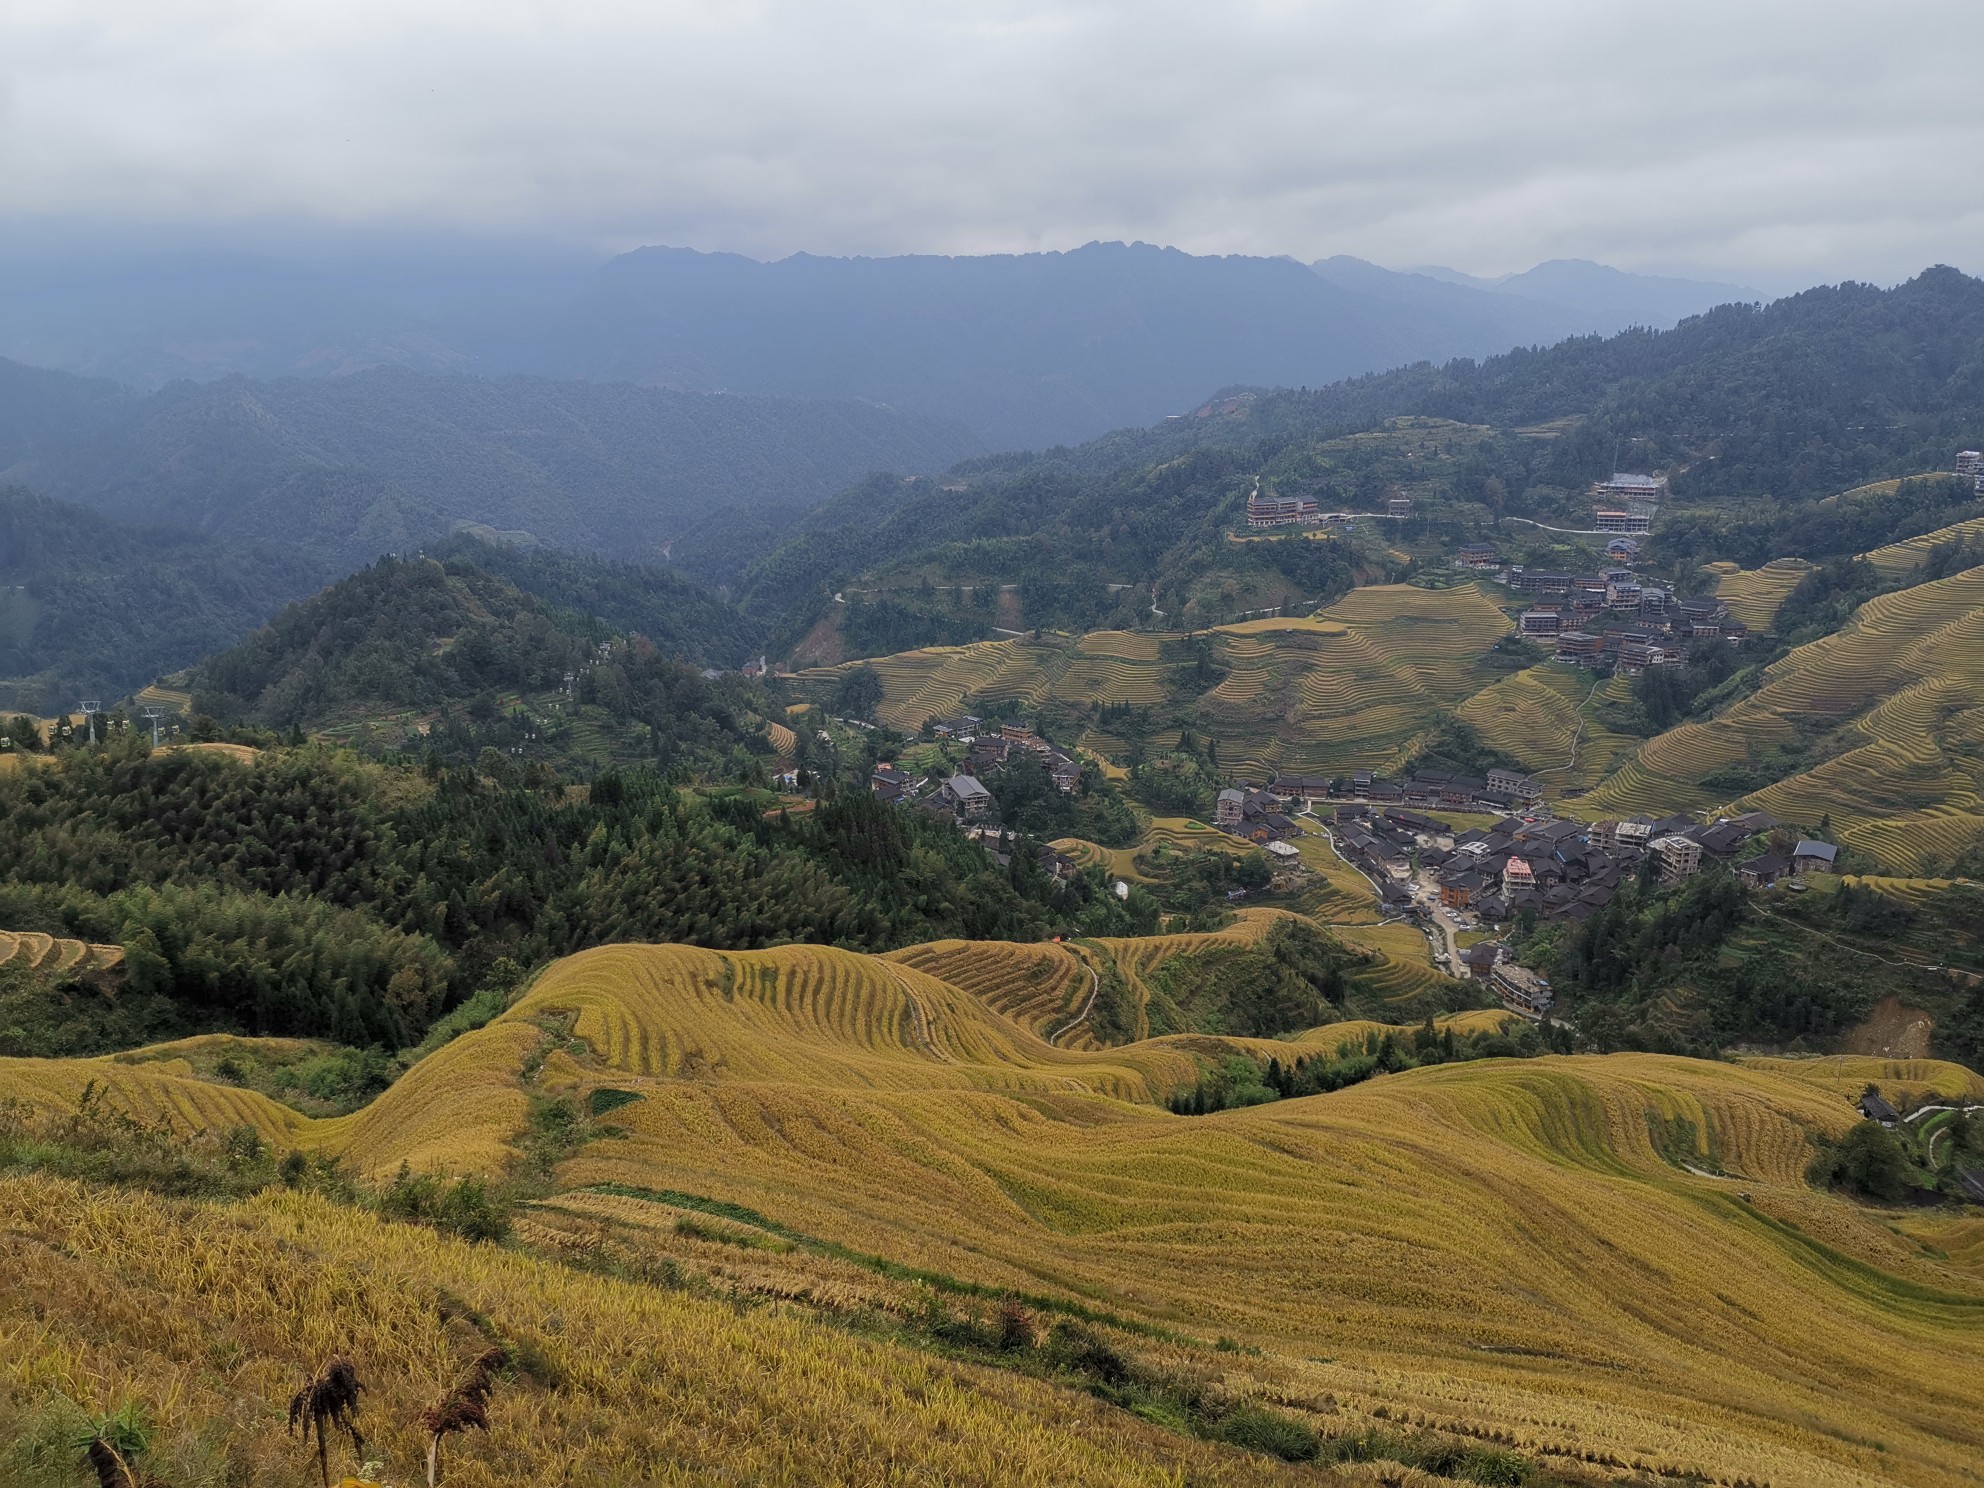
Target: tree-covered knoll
313, 893
678, 615
90, 606
449, 641
1030, 802
1296, 978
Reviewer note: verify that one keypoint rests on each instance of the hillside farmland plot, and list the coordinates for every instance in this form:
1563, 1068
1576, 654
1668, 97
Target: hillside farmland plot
131, 1298
1897, 559
1546, 718
1753, 595
29, 950
1354, 687
1896, 700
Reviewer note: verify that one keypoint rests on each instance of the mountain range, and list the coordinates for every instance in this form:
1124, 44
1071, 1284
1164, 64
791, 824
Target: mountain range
733, 1073
346, 468
1759, 412
1026, 350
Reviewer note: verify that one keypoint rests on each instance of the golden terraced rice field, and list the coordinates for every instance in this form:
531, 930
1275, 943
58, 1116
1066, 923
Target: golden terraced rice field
30, 950
1496, 1248
210, 1317
1896, 698
1897, 559
1753, 595
1354, 687
1547, 718
1121, 667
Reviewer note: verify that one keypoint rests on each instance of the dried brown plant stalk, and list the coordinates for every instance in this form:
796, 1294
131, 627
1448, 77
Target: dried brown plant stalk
464, 1408
328, 1402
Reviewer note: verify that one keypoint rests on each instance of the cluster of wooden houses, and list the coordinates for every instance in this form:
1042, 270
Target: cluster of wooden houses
1499, 790
1611, 617
1259, 816
988, 746
1553, 868
1585, 629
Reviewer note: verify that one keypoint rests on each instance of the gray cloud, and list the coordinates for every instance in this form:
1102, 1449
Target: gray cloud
1774, 142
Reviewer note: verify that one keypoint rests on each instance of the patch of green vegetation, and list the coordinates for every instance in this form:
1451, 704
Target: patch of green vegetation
693, 1229
1293, 979
1031, 803
1456, 747
1197, 882
1112, 1013
604, 1099
1241, 1081
54, 1016
1680, 1141
1696, 968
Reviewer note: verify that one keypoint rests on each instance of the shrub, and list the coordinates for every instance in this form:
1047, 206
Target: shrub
464, 1206
1016, 1325
1081, 1350
1261, 1430
1867, 1161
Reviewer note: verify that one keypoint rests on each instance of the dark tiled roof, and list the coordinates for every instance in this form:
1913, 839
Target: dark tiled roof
1876, 1109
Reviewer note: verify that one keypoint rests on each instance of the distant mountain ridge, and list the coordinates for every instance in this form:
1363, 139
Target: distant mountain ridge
1611, 297
1027, 350
339, 470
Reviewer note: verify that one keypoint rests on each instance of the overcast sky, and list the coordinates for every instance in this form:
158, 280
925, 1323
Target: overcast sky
1774, 144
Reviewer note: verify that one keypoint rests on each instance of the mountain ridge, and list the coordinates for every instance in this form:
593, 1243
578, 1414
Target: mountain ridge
1028, 349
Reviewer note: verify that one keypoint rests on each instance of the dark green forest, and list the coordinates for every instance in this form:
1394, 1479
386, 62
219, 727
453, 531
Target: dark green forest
312, 892
338, 470
1699, 967
94, 608
455, 642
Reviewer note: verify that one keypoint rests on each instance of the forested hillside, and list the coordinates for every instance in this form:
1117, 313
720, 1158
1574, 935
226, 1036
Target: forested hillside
341, 470
1759, 414
90, 607
304, 891
436, 637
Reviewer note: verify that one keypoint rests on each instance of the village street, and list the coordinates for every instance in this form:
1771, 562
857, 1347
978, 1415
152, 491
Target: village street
1427, 888
1426, 891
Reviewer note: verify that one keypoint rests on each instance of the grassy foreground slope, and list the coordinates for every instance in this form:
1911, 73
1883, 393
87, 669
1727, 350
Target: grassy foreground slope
1498, 1247
213, 1315
1521, 1251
